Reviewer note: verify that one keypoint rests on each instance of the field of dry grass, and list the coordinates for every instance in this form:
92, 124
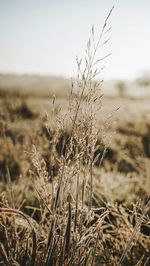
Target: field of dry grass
29, 134
74, 170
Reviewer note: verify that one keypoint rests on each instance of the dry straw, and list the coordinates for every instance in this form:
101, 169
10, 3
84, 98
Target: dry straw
73, 228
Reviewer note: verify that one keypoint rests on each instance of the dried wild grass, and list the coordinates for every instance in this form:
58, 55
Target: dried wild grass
71, 229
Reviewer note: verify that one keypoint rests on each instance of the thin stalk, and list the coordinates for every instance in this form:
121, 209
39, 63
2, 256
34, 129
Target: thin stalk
77, 197
91, 183
59, 186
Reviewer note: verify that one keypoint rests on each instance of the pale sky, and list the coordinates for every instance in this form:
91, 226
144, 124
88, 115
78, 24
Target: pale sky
44, 36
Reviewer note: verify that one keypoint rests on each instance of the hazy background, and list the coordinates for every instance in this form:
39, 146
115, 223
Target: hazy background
44, 36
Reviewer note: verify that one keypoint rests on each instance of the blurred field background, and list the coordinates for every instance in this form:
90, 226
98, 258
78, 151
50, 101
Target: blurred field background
26, 99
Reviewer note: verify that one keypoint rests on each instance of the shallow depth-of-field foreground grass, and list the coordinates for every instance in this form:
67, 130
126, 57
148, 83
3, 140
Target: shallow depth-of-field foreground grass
74, 176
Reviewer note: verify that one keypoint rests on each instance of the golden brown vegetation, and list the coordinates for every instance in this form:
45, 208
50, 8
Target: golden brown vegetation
74, 189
